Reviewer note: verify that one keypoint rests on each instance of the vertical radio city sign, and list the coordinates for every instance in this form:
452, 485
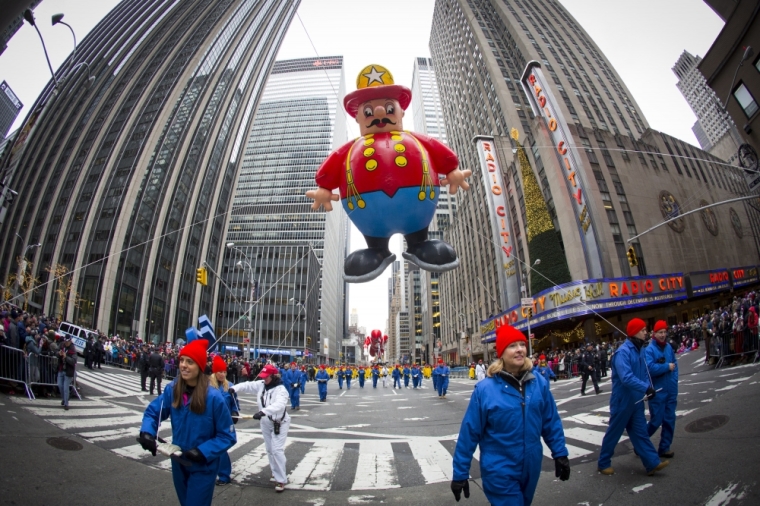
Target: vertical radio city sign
501, 230
544, 105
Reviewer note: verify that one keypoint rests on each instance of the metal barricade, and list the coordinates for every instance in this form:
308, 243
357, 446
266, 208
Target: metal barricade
731, 344
42, 370
13, 367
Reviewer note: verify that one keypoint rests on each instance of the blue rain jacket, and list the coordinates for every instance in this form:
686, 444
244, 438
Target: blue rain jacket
322, 378
442, 372
407, 372
544, 371
662, 376
396, 374
508, 427
211, 432
629, 377
291, 377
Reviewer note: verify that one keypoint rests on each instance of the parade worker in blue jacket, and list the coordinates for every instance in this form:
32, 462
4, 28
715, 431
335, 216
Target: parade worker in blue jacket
407, 375
545, 371
322, 378
292, 381
663, 367
396, 375
442, 372
509, 412
361, 376
304, 379
630, 383
435, 377
201, 426
349, 377
375, 375
341, 377
218, 380
416, 376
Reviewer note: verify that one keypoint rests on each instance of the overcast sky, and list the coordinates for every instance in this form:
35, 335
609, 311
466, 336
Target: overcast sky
642, 39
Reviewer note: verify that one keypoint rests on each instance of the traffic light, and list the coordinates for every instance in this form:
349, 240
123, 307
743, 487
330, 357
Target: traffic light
201, 276
529, 312
308, 340
632, 260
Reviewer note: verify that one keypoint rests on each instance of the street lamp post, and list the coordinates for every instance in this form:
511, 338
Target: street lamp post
530, 313
22, 267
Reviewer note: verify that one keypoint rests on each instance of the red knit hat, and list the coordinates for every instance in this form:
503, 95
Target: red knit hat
506, 335
440, 360
218, 365
635, 326
196, 351
660, 325
322, 366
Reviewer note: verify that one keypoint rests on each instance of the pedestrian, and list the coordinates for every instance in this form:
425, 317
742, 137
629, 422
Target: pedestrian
142, 366
201, 426
416, 376
603, 360
630, 384
588, 369
272, 401
396, 376
322, 378
480, 371
292, 382
361, 376
218, 380
508, 414
663, 367
100, 352
89, 353
155, 370
407, 375
375, 375
67, 364
434, 375
442, 371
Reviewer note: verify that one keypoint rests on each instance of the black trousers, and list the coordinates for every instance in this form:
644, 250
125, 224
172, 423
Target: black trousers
155, 380
143, 379
586, 374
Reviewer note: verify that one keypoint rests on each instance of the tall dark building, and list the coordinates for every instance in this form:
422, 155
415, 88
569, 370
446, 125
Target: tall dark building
10, 106
12, 18
127, 182
591, 177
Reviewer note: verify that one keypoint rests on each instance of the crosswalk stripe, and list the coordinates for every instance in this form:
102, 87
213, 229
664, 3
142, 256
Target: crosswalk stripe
77, 423
375, 469
243, 438
251, 463
434, 460
135, 452
115, 434
315, 471
78, 412
573, 451
121, 380
588, 436
106, 388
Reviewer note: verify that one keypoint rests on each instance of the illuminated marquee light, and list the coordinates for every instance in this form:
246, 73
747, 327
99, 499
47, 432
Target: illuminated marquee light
496, 193
543, 104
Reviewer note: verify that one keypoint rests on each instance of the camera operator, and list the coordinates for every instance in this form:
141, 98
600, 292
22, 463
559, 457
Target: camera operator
272, 399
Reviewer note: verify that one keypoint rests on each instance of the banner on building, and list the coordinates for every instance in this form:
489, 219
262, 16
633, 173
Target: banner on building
545, 106
707, 282
501, 224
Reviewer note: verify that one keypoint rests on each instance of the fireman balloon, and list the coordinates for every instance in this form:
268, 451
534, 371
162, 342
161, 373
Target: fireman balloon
388, 180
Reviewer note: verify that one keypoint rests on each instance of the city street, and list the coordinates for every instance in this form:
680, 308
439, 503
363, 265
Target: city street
379, 445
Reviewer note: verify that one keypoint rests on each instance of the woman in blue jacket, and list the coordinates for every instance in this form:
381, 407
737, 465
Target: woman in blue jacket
201, 427
218, 380
509, 412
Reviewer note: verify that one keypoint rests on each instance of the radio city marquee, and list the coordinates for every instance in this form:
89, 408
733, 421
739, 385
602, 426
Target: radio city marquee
579, 298
544, 105
501, 230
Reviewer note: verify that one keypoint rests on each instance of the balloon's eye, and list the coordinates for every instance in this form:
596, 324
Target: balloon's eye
389, 109
367, 112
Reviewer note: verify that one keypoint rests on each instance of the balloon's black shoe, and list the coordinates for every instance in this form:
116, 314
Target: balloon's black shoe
432, 255
367, 264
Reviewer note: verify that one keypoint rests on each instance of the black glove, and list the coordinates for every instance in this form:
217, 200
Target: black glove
235, 418
231, 391
661, 360
650, 393
148, 442
458, 486
258, 415
194, 455
562, 468
555, 379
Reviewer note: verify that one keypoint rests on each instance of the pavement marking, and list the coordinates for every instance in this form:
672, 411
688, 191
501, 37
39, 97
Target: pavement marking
685, 412
603, 409
341, 395
74, 412
698, 361
594, 437
315, 471
135, 452
76, 423
375, 469
57, 402
588, 419
252, 463
736, 380
104, 387
415, 419
436, 463
244, 437
573, 451
707, 400
729, 387
729, 374
638, 489
394, 392
114, 434
699, 383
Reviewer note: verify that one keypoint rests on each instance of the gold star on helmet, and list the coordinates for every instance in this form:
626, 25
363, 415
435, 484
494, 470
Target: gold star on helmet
373, 75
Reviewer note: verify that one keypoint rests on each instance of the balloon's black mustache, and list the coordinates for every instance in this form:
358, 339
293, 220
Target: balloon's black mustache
376, 122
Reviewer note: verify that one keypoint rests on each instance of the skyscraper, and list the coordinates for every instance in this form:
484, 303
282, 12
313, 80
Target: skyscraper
503, 67
10, 106
12, 18
132, 176
714, 129
298, 122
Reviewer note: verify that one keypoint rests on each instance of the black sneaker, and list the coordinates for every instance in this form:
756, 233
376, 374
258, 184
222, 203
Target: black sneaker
433, 255
599, 391
583, 393
366, 264
668, 454
220, 483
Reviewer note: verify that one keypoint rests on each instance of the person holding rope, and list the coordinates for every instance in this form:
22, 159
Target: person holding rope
630, 385
663, 366
219, 381
272, 400
201, 426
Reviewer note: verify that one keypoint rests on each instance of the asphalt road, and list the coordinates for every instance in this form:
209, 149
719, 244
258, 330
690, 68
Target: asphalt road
383, 445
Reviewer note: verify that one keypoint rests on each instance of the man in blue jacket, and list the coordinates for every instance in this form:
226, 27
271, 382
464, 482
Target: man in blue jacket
292, 381
322, 378
361, 376
416, 375
630, 384
407, 375
663, 367
349, 377
375, 376
341, 376
396, 374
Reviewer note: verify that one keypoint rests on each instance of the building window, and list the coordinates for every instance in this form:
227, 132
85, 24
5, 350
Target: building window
746, 100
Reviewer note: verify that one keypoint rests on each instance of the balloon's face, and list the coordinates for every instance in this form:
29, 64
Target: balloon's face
380, 115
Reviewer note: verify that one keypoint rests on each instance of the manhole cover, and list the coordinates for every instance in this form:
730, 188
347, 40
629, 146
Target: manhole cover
63, 443
707, 423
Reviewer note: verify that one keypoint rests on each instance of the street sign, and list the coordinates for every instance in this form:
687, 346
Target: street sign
526, 302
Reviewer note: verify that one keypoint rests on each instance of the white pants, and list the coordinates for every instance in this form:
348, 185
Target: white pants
385, 381
275, 445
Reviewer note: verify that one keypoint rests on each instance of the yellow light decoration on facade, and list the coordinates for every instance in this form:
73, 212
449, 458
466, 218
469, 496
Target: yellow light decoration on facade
536, 212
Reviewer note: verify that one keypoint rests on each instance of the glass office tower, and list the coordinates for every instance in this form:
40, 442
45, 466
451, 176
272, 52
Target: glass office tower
127, 181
